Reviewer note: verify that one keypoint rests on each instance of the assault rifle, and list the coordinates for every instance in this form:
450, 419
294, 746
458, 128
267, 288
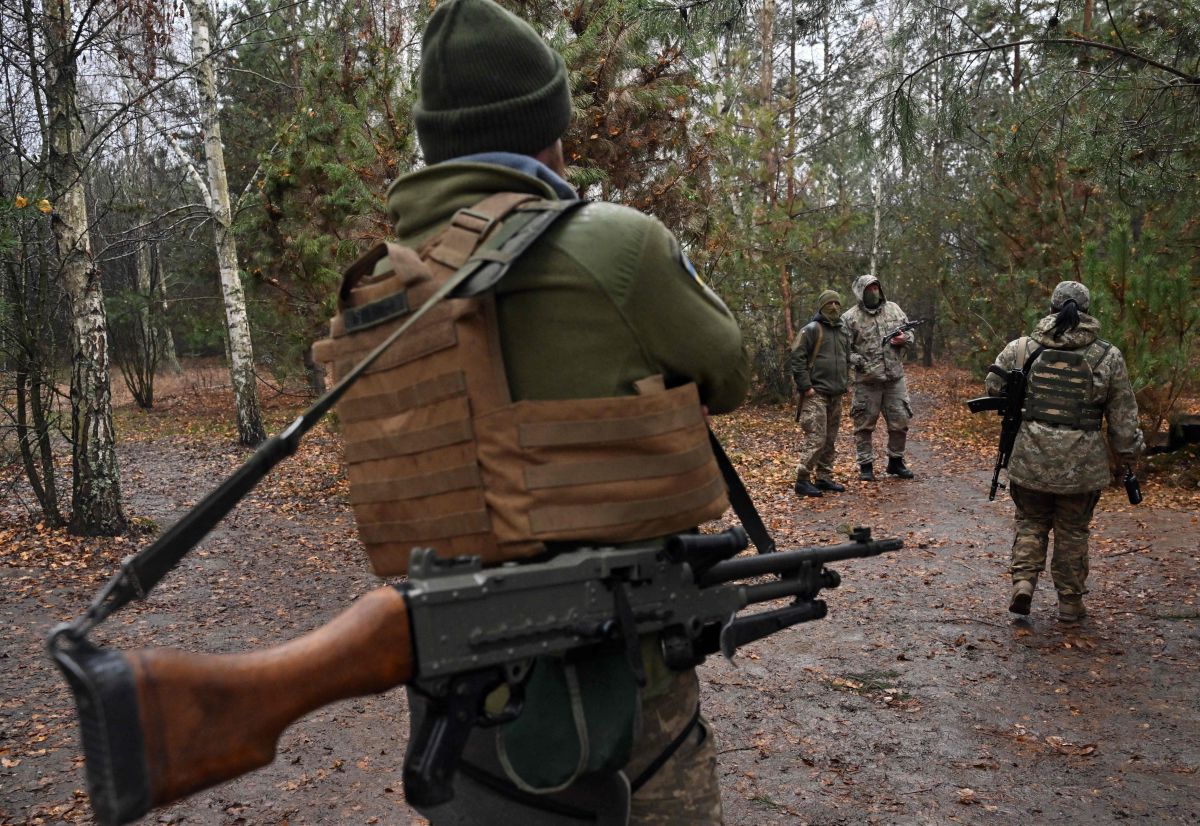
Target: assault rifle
1010, 404
159, 724
903, 328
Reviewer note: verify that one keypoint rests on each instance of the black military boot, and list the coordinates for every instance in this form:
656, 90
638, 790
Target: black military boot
866, 472
806, 488
830, 485
896, 468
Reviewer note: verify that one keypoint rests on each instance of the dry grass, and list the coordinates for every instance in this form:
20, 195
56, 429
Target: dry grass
199, 376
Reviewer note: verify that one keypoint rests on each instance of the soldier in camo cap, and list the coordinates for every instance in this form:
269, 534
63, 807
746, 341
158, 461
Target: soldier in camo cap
1059, 461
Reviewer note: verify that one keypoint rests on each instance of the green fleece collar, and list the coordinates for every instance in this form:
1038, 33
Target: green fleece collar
420, 202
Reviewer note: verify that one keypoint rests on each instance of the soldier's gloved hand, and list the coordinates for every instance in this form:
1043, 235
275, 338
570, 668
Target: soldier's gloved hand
898, 340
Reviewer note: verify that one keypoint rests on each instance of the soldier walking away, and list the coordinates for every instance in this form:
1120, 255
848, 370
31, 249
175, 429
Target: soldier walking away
603, 316
1059, 461
879, 384
820, 365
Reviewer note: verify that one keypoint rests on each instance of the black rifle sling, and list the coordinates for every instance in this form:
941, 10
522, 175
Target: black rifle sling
740, 499
140, 572
1024, 388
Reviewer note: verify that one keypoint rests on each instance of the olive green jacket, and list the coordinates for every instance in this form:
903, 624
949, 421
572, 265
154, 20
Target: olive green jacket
820, 357
1065, 460
604, 299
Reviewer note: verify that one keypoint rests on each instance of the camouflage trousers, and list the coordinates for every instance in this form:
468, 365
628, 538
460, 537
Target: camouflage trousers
684, 791
1069, 516
889, 398
820, 417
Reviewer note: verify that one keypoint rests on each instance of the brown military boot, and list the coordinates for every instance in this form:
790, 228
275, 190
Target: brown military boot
1022, 597
1070, 609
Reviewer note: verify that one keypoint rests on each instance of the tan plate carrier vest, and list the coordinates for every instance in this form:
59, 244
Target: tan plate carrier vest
440, 456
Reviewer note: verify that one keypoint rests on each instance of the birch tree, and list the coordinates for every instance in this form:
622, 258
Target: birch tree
96, 482
216, 192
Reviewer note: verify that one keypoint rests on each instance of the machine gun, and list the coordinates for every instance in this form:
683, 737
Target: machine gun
903, 328
159, 724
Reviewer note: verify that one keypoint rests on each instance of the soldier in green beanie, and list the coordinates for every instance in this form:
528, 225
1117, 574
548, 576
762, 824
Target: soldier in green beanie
603, 305
820, 365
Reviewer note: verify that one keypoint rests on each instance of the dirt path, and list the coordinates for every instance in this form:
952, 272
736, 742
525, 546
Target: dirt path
919, 701
916, 701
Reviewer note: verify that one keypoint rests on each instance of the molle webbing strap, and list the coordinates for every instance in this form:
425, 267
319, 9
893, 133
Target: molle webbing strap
410, 441
455, 244
423, 341
416, 486
615, 469
417, 530
612, 470
562, 434
560, 519
393, 401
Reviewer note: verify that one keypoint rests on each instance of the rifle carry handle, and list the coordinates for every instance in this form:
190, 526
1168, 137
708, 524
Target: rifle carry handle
159, 724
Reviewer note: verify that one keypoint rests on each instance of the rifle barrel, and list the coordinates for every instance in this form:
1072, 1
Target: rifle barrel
782, 588
786, 561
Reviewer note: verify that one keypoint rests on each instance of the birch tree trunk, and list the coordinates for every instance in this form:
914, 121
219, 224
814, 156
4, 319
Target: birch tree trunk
96, 482
241, 352
158, 281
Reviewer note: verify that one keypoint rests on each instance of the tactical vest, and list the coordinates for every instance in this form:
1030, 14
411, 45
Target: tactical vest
440, 456
1059, 387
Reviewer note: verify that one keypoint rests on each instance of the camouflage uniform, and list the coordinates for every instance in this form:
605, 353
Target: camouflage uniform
878, 373
820, 361
1056, 472
603, 300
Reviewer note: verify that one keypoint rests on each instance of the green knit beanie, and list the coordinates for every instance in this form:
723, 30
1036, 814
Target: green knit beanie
826, 297
488, 83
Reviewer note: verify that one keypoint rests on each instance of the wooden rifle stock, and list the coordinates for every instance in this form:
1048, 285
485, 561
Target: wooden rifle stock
207, 718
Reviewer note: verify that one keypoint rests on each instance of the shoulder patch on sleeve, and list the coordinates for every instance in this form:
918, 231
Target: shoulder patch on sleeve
684, 261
